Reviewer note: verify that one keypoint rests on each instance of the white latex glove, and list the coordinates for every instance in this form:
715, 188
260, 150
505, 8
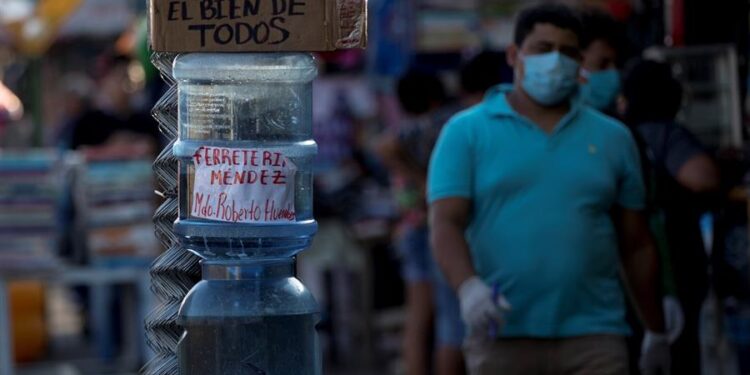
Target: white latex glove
655, 357
673, 317
482, 308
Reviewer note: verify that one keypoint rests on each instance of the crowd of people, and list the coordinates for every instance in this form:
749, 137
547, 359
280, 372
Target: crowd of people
531, 210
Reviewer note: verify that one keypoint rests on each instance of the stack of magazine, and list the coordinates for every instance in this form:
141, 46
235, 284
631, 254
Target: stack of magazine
119, 204
31, 192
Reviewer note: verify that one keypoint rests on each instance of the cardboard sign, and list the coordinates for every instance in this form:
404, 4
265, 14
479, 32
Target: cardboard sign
257, 25
243, 186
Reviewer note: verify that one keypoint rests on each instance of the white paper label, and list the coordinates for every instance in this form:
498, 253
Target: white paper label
243, 186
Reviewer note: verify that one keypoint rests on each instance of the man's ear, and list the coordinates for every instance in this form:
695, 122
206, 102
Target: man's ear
511, 55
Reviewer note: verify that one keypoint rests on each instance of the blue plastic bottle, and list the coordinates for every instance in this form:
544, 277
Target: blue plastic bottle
246, 150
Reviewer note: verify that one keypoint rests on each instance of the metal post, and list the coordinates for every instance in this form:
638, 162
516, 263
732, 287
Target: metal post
6, 333
37, 93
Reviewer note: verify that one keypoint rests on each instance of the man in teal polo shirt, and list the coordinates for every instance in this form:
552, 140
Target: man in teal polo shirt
529, 196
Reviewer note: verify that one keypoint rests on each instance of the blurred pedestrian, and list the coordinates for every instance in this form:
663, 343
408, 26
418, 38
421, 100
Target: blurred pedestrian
683, 172
77, 91
603, 47
108, 126
112, 126
479, 74
603, 50
432, 307
522, 189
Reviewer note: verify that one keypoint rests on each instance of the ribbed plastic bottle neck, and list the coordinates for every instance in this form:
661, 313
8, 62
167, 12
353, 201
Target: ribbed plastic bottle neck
248, 269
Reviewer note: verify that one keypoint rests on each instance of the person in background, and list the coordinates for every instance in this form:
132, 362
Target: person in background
684, 173
77, 91
603, 47
108, 126
521, 190
431, 305
479, 74
113, 127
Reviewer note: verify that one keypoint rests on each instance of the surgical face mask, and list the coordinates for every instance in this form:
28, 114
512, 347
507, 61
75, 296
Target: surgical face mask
602, 88
550, 78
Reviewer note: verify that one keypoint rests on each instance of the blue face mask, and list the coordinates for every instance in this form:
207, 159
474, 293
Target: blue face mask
602, 88
550, 78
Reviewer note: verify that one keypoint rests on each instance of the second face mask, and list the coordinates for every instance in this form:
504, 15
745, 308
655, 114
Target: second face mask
602, 88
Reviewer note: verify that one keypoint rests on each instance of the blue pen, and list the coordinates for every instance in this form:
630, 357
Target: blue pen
494, 330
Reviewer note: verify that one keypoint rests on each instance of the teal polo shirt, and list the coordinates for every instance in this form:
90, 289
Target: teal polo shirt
540, 226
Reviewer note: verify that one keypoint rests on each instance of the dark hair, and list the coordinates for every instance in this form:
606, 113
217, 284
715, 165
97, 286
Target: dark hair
482, 72
418, 91
653, 94
598, 25
558, 15
108, 61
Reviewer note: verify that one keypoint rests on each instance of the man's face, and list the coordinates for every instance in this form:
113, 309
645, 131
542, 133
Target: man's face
115, 85
599, 56
544, 38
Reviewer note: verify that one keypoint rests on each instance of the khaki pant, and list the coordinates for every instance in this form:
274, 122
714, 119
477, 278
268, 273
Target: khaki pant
597, 355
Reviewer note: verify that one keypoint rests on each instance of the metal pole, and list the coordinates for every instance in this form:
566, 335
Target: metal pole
37, 92
6, 332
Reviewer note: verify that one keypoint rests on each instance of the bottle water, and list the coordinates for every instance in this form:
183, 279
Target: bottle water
249, 319
245, 153
245, 102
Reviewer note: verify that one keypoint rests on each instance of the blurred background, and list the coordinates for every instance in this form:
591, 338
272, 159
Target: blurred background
77, 189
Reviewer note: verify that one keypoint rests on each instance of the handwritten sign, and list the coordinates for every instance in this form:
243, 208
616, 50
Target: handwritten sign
243, 186
271, 30
257, 25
